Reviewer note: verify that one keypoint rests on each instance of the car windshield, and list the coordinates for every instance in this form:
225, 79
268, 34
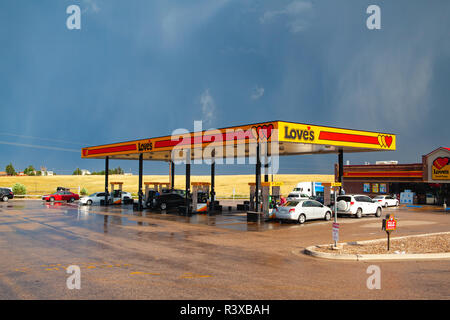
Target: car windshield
378, 197
290, 204
346, 199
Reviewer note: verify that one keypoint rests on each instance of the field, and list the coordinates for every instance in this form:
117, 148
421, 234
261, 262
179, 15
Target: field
225, 184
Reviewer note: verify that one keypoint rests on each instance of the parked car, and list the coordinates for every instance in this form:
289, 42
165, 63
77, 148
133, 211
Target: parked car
61, 196
6, 194
302, 210
387, 201
178, 191
168, 200
94, 198
358, 205
297, 196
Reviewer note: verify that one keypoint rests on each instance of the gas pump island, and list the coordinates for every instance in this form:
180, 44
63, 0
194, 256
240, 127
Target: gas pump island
267, 140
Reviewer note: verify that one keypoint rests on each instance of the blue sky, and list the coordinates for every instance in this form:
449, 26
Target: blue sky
143, 68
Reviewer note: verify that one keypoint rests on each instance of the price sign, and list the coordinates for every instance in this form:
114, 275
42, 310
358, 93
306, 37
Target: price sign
389, 225
335, 232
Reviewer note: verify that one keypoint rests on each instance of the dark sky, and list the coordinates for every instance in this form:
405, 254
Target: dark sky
144, 68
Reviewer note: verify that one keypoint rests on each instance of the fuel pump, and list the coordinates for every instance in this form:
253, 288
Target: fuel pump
270, 198
116, 195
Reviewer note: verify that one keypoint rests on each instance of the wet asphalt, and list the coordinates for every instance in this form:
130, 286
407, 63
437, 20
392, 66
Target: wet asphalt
124, 254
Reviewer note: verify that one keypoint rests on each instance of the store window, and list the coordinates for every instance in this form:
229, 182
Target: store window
382, 187
375, 187
366, 187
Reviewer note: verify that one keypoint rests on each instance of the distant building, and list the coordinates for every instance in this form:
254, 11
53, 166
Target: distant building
426, 180
3, 173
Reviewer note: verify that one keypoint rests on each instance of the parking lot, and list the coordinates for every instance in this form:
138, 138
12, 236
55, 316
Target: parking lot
125, 254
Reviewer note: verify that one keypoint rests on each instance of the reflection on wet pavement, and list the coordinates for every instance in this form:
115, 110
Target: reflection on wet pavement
101, 218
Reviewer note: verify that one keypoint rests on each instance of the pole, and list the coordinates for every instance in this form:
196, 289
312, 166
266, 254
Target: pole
172, 175
213, 178
341, 168
258, 177
188, 179
106, 179
141, 158
389, 239
335, 214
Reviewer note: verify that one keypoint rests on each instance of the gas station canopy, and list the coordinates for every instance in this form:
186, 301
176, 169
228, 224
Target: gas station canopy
283, 138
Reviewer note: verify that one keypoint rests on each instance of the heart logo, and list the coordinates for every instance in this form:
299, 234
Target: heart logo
388, 140
308, 127
255, 133
440, 162
385, 141
262, 132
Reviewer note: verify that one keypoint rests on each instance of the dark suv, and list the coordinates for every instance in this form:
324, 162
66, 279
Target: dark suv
6, 194
169, 200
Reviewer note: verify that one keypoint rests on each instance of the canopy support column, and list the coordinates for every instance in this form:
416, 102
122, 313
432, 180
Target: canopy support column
258, 178
213, 179
172, 175
340, 168
188, 180
141, 164
106, 179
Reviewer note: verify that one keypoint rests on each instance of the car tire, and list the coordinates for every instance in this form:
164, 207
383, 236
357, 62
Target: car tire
378, 212
89, 202
385, 204
359, 213
5, 199
327, 216
71, 199
51, 199
163, 206
397, 204
301, 218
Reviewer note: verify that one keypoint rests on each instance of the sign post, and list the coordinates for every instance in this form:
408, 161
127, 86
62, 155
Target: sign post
389, 224
335, 233
335, 185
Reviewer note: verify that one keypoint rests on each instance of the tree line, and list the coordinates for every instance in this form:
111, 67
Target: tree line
29, 171
117, 170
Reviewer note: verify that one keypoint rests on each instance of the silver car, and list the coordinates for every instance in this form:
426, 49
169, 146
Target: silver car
302, 210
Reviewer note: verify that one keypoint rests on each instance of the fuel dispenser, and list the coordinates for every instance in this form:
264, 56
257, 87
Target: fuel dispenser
153, 189
116, 195
200, 196
270, 198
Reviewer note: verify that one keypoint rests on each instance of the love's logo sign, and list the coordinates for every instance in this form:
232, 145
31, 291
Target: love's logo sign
385, 141
441, 162
261, 133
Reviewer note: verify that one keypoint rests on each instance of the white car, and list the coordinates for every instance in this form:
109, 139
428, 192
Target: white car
358, 205
302, 210
387, 201
297, 196
95, 198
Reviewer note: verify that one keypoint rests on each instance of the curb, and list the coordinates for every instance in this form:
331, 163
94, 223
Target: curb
369, 257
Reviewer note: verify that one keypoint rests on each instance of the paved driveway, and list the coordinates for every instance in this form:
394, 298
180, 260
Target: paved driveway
128, 255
